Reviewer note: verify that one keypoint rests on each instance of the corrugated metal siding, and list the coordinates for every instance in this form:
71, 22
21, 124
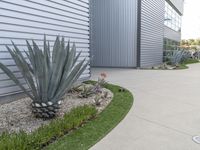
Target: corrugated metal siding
31, 19
114, 32
152, 32
171, 34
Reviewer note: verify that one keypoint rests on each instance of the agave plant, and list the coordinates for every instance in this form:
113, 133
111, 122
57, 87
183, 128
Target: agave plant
187, 55
177, 57
48, 75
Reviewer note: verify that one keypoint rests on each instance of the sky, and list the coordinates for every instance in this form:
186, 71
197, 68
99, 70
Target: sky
191, 19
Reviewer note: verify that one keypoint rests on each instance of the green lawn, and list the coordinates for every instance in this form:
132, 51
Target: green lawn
95, 130
187, 62
182, 66
190, 61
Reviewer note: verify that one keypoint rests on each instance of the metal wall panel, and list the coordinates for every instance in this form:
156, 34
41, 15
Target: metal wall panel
31, 19
152, 32
114, 33
171, 34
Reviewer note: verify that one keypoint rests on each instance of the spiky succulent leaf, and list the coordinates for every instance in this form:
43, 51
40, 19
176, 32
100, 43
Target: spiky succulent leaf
69, 63
76, 58
70, 79
23, 67
59, 66
176, 57
14, 78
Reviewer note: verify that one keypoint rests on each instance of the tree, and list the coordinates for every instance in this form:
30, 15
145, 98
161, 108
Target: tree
190, 41
198, 42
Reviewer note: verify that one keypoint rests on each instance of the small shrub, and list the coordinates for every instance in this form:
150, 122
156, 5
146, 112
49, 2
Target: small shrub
86, 91
95, 89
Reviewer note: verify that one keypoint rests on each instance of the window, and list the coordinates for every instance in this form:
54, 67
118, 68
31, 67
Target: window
172, 18
170, 44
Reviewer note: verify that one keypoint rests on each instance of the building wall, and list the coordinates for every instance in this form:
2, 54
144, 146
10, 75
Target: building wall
114, 33
152, 32
20, 20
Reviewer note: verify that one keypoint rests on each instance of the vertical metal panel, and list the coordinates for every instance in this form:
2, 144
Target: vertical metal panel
31, 19
114, 32
152, 32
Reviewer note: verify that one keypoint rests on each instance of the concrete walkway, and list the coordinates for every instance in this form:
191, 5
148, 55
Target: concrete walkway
166, 111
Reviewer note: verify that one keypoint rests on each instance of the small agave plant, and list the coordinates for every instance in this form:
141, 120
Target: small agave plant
48, 75
177, 57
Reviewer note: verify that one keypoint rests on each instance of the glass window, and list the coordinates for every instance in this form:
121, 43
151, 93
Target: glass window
170, 44
172, 18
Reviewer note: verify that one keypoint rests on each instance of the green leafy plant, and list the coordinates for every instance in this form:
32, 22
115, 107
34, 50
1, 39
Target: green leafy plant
86, 91
48, 76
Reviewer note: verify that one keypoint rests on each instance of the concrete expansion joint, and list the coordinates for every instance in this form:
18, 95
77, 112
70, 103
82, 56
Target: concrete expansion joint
163, 126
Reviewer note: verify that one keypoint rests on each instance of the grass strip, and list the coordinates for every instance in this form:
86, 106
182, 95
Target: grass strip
187, 62
48, 133
191, 61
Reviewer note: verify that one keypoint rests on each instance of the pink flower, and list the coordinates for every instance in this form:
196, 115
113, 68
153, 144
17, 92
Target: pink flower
103, 75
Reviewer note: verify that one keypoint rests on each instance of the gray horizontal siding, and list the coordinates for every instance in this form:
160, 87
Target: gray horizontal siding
152, 32
171, 34
31, 19
114, 31
178, 4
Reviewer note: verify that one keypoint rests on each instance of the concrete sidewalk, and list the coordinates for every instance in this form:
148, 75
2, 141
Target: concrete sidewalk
166, 111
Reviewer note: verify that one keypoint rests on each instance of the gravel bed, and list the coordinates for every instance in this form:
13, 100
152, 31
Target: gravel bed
17, 115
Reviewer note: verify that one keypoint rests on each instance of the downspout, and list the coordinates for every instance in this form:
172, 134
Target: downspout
139, 7
90, 35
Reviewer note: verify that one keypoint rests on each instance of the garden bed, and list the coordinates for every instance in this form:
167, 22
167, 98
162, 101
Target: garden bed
180, 66
17, 116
